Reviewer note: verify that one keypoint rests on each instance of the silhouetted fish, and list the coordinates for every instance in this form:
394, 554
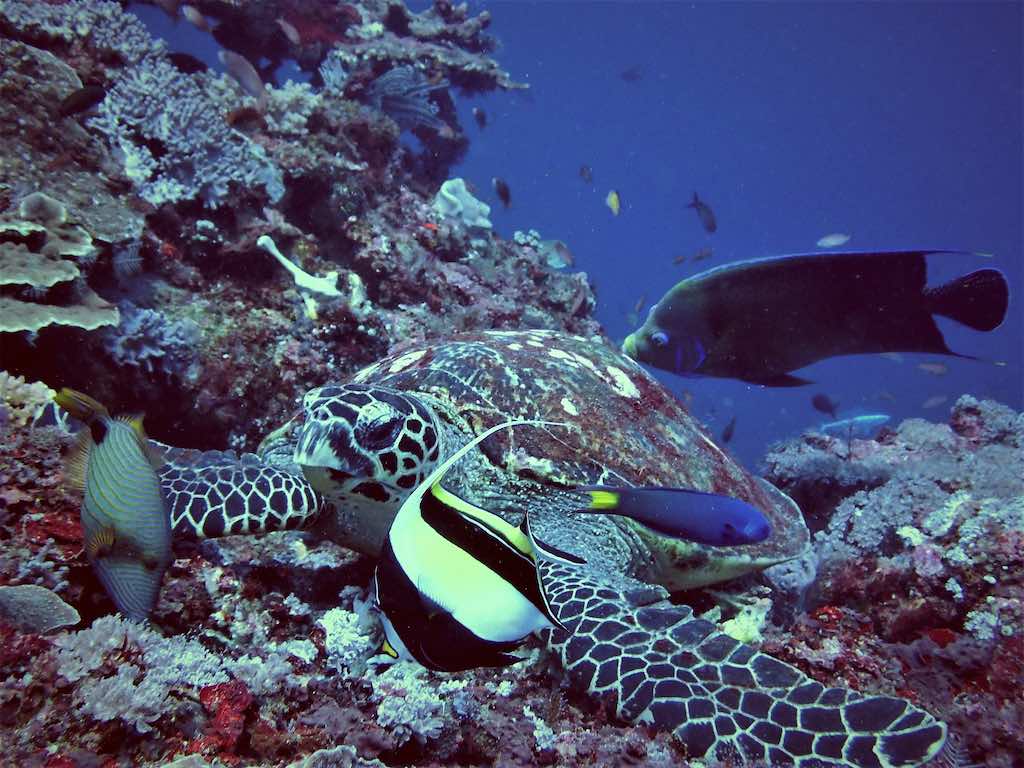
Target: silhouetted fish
633, 74
759, 320
825, 404
703, 253
502, 191
82, 100
245, 74
704, 213
587, 174
195, 18
186, 63
289, 31
730, 428
480, 116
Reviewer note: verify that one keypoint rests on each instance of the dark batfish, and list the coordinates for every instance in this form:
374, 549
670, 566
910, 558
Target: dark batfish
587, 174
502, 191
82, 100
186, 63
704, 213
730, 428
759, 320
480, 116
824, 404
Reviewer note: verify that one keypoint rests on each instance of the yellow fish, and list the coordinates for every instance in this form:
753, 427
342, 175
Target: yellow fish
614, 202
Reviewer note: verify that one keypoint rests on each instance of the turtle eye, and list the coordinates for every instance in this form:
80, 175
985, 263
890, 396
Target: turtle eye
378, 433
659, 339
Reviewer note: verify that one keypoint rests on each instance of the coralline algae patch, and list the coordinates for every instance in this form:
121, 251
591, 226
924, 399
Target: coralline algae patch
920, 568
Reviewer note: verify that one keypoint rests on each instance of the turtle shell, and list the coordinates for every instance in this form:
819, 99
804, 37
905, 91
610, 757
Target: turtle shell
625, 429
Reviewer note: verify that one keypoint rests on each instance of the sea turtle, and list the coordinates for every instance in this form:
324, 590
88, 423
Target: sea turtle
345, 462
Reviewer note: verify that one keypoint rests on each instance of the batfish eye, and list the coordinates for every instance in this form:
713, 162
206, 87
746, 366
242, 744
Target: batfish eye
659, 339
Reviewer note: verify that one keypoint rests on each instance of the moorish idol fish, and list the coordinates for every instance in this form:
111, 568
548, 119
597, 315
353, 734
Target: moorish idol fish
125, 519
759, 320
456, 585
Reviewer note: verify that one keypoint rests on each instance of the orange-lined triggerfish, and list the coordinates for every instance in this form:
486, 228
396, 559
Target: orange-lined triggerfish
125, 519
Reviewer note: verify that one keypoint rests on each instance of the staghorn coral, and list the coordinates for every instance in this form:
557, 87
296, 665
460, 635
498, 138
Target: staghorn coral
147, 339
23, 399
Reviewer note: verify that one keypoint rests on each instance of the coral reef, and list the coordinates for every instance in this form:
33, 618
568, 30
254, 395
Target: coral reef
920, 559
258, 656
318, 167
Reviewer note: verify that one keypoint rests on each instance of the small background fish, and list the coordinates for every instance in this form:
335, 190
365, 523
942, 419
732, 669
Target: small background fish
833, 240
614, 202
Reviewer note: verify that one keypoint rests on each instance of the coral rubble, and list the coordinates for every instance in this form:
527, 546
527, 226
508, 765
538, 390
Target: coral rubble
920, 559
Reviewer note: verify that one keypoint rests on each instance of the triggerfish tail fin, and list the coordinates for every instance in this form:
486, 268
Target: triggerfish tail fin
132, 586
978, 300
707, 518
548, 551
80, 405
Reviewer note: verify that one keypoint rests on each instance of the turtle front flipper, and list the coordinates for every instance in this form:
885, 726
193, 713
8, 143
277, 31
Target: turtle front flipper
217, 493
663, 666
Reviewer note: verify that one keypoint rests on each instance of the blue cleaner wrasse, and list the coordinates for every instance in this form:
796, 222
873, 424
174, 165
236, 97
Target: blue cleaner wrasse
125, 521
758, 321
706, 518
457, 586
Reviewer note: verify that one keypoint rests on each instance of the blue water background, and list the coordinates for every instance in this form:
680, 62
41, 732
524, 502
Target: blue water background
898, 123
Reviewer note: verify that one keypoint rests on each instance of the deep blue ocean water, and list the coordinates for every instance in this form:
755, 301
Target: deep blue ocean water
897, 123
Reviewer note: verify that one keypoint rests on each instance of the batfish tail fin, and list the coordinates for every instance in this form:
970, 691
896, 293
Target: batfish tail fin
978, 300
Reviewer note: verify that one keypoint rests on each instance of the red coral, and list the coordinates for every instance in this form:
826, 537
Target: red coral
227, 702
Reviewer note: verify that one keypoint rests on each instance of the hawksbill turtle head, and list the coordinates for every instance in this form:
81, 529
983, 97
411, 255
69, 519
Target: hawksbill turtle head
364, 449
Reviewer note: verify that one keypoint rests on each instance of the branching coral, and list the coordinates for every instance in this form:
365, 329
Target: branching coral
155, 105
147, 339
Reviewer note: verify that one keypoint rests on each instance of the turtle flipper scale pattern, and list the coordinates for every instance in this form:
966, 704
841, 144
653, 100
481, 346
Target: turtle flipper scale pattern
218, 493
662, 666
